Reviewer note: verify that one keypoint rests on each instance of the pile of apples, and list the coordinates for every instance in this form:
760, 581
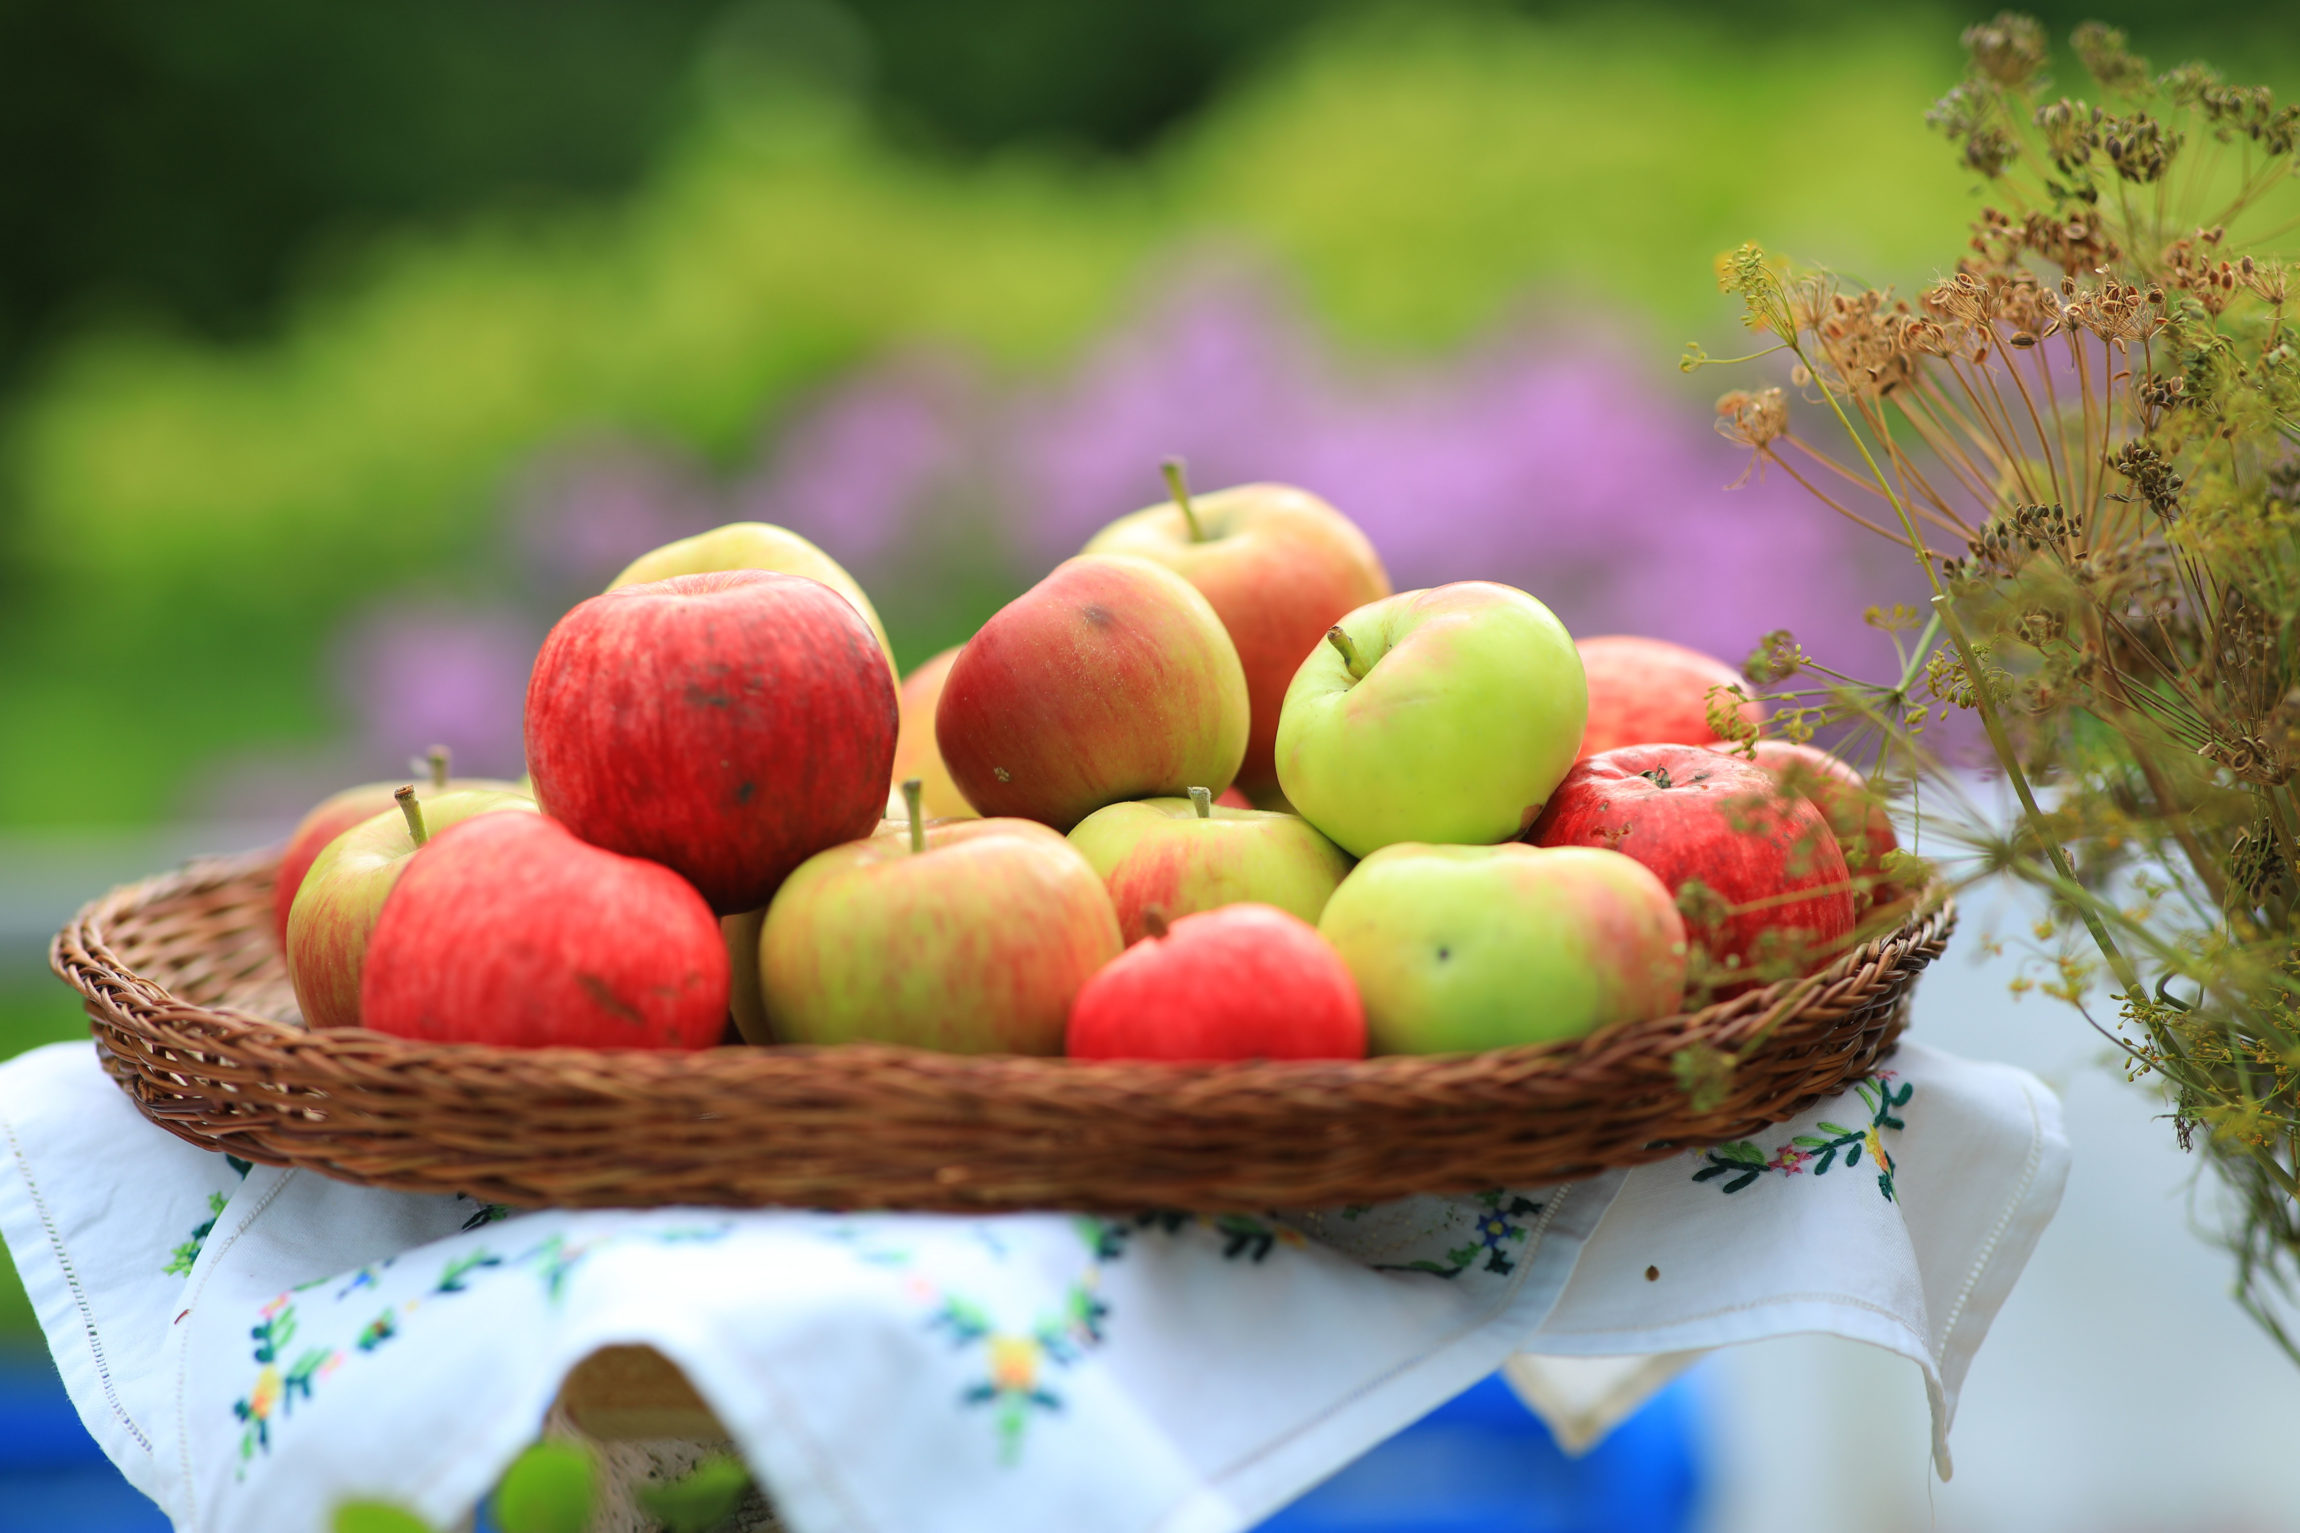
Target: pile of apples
1471, 832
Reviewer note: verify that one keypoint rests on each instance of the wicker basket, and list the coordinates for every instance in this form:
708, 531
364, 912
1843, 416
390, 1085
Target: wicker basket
182, 980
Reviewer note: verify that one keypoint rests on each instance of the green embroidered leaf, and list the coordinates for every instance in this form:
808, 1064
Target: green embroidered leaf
1744, 1152
1741, 1181
701, 1501
547, 1489
1828, 1159
1838, 1129
1810, 1141
376, 1517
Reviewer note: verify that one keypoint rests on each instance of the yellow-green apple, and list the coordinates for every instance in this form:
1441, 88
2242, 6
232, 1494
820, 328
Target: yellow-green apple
1774, 895
1652, 692
1279, 567
341, 811
1457, 948
1183, 855
753, 546
915, 753
334, 916
1110, 679
970, 936
728, 726
507, 929
1855, 812
1441, 715
1243, 982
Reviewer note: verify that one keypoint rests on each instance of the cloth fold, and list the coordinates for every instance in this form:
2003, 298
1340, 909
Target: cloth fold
253, 1346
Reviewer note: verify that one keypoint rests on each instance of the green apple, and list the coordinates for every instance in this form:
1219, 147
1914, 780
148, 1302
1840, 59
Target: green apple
337, 904
972, 936
754, 546
1457, 948
1184, 855
1445, 715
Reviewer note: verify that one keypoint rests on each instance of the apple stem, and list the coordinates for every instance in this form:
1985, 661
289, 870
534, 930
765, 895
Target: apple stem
438, 758
1202, 800
912, 791
1179, 487
414, 812
1350, 656
1154, 922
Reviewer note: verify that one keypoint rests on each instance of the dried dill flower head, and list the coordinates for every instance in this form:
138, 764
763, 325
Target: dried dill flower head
2086, 435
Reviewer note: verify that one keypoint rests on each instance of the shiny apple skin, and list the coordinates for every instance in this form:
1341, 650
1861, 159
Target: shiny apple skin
1109, 680
1246, 981
333, 917
1466, 718
1158, 852
1652, 692
1279, 566
1766, 853
508, 930
728, 726
976, 945
753, 546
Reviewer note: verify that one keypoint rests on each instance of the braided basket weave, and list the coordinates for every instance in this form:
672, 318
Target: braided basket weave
183, 982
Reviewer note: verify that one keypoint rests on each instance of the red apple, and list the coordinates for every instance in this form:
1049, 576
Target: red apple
915, 754
335, 913
728, 726
1778, 892
1855, 812
507, 929
972, 936
1652, 692
341, 811
1279, 567
1111, 679
1242, 982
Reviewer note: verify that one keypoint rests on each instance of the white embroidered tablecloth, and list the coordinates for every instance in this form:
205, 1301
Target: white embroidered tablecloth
253, 1346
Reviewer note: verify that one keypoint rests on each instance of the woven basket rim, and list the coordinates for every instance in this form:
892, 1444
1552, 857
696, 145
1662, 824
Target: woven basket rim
945, 1130
84, 934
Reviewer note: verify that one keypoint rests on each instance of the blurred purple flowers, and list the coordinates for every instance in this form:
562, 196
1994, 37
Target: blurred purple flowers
1556, 459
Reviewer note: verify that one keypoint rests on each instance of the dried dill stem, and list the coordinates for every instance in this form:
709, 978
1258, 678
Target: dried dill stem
2088, 436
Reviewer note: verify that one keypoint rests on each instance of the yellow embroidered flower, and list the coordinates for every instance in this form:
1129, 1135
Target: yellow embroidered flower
1014, 1364
265, 1398
1877, 1153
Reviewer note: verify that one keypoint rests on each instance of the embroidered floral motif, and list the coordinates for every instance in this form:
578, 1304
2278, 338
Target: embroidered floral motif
1497, 1237
276, 1388
1743, 1163
180, 1259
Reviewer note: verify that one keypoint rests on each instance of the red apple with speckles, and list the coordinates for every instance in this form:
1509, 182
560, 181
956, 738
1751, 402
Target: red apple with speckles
339, 812
1278, 565
336, 910
1652, 692
1111, 679
1779, 893
1242, 982
1854, 811
507, 929
726, 725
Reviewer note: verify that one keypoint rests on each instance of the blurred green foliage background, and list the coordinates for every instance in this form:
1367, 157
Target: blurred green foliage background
288, 293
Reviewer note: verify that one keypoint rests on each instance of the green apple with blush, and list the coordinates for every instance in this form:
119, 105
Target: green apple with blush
970, 936
1447, 715
336, 908
1184, 855
1461, 948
